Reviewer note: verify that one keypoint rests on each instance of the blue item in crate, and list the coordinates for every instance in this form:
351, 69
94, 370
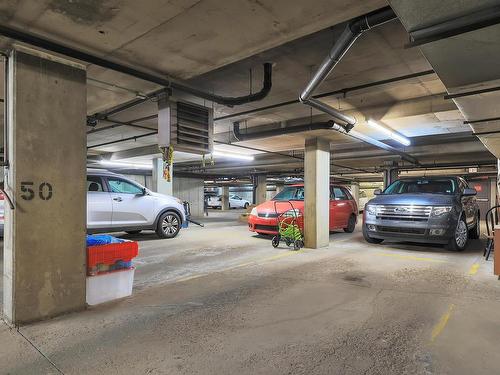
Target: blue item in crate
121, 265
101, 239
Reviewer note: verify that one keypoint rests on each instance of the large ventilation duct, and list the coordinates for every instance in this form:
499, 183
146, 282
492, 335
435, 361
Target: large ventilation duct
353, 31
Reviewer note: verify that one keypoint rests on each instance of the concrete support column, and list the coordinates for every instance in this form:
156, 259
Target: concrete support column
225, 198
261, 189
44, 243
279, 187
160, 185
390, 175
355, 194
317, 193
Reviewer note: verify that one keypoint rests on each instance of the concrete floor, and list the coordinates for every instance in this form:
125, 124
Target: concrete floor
219, 300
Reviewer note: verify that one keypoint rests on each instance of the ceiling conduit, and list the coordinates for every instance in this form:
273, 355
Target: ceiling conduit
281, 131
352, 31
141, 74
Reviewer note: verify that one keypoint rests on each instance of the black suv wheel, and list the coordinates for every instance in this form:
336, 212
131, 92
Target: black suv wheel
458, 241
475, 231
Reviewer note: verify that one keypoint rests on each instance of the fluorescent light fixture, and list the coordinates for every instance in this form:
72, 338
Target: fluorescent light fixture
232, 155
391, 133
121, 164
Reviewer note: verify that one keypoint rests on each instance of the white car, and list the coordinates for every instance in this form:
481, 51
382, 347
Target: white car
115, 203
234, 202
363, 200
2, 213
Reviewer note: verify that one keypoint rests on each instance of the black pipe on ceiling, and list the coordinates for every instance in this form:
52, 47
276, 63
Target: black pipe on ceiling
281, 131
134, 138
469, 22
146, 76
343, 91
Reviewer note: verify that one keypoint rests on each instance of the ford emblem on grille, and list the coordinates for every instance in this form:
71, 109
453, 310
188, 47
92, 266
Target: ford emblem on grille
400, 209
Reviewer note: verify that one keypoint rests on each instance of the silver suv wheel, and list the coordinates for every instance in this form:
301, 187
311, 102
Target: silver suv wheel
169, 225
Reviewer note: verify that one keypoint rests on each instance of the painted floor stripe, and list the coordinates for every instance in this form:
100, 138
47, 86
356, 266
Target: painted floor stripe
190, 278
411, 257
439, 327
474, 268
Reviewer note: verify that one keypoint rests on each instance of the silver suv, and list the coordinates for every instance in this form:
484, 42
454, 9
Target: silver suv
116, 203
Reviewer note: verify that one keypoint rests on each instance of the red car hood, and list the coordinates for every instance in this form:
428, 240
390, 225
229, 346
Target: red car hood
269, 206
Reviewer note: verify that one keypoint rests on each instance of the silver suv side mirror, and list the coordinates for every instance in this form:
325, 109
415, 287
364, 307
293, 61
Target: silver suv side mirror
469, 192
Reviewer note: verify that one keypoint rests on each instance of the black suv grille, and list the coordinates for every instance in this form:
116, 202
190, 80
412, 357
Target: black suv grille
381, 228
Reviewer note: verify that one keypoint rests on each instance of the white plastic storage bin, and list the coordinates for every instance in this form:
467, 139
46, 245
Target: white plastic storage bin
109, 286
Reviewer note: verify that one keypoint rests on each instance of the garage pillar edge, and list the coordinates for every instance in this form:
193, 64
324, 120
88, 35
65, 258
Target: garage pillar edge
44, 254
261, 189
317, 193
225, 198
160, 184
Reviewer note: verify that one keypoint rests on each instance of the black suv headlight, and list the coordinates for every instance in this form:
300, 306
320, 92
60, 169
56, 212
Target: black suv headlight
442, 210
371, 209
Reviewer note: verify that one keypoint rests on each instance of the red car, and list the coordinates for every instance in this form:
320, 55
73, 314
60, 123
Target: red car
343, 209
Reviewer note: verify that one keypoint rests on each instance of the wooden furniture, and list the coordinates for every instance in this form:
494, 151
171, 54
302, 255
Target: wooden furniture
496, 267
491, 221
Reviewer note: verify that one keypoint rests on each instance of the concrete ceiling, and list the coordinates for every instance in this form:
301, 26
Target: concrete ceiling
178, 38
414, 107
219, 46
465, 62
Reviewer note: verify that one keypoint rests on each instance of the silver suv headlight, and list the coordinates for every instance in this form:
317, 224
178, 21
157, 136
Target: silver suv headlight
254, 211
371, 209
438, 211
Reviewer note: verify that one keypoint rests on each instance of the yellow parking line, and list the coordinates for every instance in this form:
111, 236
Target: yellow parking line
283, 255
473, 269
190, 277
438, 328
411, 257
251, 263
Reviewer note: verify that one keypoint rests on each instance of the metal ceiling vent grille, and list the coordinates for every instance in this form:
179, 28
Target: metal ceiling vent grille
194, 128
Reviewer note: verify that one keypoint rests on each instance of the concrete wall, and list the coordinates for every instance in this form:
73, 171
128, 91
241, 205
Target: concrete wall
159, 184
191, 190
44, 255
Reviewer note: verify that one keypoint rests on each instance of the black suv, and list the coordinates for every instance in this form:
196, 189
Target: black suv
439, 210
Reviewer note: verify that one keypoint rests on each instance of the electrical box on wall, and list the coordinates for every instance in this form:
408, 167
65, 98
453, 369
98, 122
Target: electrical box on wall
186, 126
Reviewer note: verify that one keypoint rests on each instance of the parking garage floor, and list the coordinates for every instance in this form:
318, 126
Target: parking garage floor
220, 300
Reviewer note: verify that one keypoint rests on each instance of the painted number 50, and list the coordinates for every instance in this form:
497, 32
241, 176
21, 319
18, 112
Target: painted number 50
44, 191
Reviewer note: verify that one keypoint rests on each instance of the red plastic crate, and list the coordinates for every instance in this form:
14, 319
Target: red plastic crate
110, 254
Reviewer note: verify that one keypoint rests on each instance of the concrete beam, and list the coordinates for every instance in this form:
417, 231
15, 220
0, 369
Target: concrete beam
45, 266
160, 184
225, 198
317, 193
260, 189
